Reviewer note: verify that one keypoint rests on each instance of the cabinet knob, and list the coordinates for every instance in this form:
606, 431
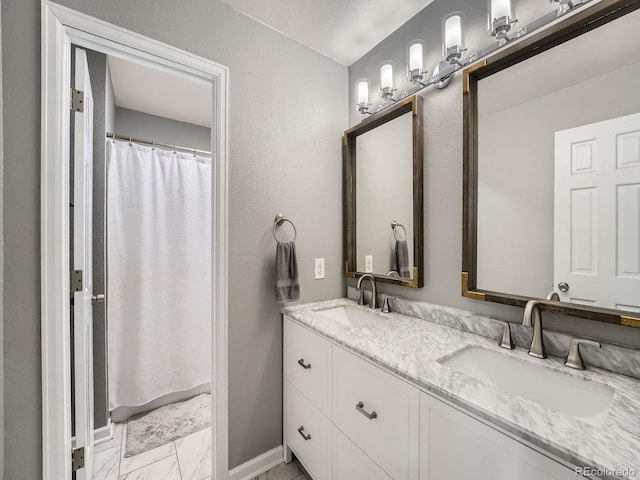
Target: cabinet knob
306, 437
370, 416
306, 366
563, 287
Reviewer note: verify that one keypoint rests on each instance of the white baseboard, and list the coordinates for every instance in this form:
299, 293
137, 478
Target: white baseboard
258, 465
103, 434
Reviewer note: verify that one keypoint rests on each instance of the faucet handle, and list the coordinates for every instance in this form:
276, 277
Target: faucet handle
574, 359
385, 305
506, 341
360, 296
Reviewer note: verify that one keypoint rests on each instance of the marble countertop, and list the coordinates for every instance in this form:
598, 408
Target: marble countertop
411, 347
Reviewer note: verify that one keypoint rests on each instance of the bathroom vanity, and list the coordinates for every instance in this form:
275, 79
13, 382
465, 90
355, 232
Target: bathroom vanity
389, 396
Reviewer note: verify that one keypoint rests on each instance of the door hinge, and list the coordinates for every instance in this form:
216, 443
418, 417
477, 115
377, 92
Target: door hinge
76, 281
77, 459
77, 100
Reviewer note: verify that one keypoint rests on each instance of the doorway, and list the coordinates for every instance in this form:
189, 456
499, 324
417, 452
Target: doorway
62, 29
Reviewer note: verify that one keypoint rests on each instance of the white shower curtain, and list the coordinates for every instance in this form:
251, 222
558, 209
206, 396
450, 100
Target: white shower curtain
159, 272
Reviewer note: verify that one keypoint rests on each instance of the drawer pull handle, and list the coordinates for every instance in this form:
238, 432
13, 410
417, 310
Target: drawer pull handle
306, 437
303, 365
370, 416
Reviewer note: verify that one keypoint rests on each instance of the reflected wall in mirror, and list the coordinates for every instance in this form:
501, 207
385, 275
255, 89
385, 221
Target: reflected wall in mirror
555, 175
383, 195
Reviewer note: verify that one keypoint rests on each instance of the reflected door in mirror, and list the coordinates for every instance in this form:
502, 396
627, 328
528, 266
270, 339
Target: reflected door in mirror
597, 213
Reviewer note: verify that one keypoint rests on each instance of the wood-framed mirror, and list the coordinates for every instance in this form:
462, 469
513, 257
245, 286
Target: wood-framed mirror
552, 168
383, 196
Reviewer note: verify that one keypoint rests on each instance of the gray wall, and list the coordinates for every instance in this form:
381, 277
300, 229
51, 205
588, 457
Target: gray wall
2, 436
110, 103
443, 161
164, 130
285, 156
526, 243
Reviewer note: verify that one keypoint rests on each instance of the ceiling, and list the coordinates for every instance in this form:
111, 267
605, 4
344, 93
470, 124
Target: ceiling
563, 66
160, 91
341, 30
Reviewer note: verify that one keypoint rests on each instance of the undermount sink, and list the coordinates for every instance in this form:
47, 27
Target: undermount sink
351, 316
562, 392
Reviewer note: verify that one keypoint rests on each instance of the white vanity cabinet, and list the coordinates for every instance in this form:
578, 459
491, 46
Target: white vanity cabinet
456, 446
379, 412
330, 424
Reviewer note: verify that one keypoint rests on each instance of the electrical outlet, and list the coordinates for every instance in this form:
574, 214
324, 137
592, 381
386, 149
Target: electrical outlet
368, 263
319, 268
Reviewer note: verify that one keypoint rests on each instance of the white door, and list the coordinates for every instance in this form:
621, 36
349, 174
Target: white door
597, 213
82, 240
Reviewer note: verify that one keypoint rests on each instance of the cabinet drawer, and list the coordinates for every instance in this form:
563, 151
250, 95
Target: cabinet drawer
350, 463
390, 436
308, 434
309, 364
454, 446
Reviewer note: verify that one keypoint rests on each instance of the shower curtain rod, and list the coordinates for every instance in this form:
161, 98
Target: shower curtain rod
155, 144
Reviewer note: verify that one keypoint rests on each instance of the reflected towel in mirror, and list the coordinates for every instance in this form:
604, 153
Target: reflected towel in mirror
287, 285
402, 259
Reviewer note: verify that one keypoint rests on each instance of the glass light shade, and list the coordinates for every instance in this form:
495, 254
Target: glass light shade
500, 8
453, 32
362, 91
416, 59
386, 76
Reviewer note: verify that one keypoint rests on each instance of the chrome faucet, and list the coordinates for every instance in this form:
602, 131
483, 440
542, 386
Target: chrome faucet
533, 317
373, 303
553, 295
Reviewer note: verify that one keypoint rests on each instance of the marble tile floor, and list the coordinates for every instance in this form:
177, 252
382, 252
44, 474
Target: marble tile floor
188, 458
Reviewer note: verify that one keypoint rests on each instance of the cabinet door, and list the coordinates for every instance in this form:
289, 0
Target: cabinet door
455, 446
390, 437
350, 463
308, 364
308, 434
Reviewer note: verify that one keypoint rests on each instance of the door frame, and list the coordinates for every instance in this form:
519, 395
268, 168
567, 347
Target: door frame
60, 28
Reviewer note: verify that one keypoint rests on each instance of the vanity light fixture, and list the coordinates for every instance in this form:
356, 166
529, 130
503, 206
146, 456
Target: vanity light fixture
500, 19
566, 5
453, 44
452, 49
362, 94
386, 81
415, 63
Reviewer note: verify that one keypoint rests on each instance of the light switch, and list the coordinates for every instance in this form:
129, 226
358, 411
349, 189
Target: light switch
368, 263
319, 268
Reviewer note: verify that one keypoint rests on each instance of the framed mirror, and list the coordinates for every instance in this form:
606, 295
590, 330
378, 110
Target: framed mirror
552, 169
383, 200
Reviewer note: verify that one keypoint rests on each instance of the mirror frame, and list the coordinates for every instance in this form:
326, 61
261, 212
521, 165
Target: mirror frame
582, 21
414, 105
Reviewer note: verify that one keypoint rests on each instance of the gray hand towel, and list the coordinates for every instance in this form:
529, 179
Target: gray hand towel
402, 259
287, 286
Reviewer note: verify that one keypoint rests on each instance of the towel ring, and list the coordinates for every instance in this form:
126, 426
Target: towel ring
395, 225
279, 220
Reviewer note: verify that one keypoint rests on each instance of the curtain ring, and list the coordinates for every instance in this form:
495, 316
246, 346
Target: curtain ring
153, 145
130, 144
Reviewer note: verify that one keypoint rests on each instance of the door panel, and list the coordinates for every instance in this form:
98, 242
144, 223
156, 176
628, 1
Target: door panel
82, 260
